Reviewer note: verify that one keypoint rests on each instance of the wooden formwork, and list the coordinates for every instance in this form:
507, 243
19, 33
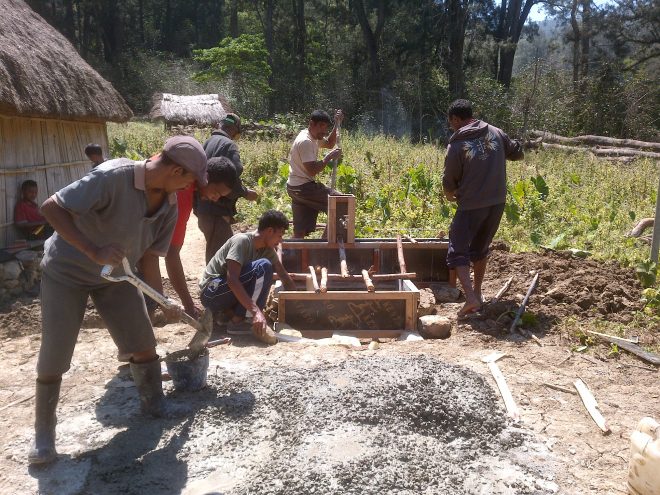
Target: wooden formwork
341, 218
383, 313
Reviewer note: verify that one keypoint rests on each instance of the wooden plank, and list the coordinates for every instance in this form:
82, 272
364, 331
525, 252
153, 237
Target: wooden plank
335, 311
350, 224
591, 405
382, 277
365, 244
505, 392
360, 334
344, 295
331, 226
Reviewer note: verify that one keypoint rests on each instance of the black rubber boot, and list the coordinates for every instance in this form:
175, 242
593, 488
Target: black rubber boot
147, 378
46, 398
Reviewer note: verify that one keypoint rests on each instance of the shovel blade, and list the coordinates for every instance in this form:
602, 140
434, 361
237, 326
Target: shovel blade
203, 334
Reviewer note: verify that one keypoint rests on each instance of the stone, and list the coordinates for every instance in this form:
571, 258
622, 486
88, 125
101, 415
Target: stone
11, 284
426, 303
268, 337
11, 270
444, 293
434, 327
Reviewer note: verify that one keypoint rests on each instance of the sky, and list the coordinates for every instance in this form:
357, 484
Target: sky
538, 13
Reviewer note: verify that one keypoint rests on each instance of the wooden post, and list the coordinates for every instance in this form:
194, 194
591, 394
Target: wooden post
315, 282
655, 245
368, 282
324, 280
342, 258
399, 249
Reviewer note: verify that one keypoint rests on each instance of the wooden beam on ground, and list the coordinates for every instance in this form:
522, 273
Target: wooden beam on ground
368, 282
399, 250
342, 259
591, 405
649, 357
324, 280
315, 282
509, 403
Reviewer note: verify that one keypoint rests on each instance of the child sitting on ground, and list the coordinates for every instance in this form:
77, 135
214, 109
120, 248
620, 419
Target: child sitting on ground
26, 214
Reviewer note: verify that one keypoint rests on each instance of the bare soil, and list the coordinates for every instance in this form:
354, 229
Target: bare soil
408, 417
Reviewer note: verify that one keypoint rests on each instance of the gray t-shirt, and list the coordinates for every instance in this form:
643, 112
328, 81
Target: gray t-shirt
239, 248
109, 205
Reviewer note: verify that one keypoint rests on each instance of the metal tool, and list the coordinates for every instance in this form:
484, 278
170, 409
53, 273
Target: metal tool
204, 325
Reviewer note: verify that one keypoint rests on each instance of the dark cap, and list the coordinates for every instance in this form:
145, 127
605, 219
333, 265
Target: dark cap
232, 119
187, 152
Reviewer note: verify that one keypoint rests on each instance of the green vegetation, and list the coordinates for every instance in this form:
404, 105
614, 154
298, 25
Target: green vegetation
555, 200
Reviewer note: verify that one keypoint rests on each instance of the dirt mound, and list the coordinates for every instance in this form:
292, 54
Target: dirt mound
568, 286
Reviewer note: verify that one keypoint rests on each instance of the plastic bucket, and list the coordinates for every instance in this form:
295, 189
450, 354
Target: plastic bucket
188, 374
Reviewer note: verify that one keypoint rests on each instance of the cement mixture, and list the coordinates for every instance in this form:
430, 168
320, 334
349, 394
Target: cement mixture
368, 425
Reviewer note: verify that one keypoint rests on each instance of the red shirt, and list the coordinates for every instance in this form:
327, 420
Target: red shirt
28, 212
184, 200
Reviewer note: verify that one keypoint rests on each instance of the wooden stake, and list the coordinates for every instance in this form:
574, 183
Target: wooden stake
521, 309
368, 282
324, 280
342, 259
315, 282
502, 291
399, 250
590, 403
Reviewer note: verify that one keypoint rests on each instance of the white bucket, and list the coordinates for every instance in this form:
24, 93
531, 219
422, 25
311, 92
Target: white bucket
644, 467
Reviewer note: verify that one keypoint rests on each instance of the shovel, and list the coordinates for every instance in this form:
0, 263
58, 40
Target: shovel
204, 325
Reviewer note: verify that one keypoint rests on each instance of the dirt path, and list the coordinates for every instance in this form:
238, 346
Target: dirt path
291, 418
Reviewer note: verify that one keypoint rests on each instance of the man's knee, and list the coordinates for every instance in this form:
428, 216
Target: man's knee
265, 266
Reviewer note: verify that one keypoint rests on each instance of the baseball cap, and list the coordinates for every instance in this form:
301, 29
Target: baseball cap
187, 152
232, 119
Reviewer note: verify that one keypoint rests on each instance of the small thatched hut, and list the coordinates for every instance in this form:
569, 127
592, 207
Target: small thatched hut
52, 103
200, 110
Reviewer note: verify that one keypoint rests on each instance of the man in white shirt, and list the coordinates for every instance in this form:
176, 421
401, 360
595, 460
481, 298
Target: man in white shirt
309, 197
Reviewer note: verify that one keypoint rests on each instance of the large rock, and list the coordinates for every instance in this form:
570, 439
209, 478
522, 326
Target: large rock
426, 303
434, 327
444, 293
11, 270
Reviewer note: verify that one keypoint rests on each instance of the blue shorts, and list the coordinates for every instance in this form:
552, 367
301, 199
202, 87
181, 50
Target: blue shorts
471, 233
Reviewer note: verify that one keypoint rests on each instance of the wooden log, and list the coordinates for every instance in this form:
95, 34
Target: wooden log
595, 141
641, 226
649, 357
624, 152
368, 282
324, 280
521, 309
315, 282
591, 405
399, 250
342, 259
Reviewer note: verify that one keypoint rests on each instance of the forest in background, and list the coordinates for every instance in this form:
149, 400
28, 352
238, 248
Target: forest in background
392, 65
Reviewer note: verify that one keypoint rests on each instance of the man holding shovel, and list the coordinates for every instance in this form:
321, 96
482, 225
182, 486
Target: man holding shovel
474, 177
120, 209
309, 197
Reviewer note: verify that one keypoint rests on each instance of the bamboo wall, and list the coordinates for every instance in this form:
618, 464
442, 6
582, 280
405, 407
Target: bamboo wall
50, 152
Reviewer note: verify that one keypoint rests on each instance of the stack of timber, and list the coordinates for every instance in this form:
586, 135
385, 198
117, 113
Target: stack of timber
612, 149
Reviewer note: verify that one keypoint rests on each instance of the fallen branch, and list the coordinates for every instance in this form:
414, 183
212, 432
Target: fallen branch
591, 405
503, 290
615, 154
19, 401
626, 345
561, 389
595, 141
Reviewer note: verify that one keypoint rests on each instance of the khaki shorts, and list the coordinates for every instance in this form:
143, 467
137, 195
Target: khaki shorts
307, 200
62, 310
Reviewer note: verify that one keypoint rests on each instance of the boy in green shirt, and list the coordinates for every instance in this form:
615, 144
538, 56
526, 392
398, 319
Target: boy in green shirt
237, 279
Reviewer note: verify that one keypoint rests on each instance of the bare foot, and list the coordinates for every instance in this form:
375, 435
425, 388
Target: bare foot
469, 307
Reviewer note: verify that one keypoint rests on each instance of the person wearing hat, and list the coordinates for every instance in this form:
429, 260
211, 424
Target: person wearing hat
122, 208
215, 217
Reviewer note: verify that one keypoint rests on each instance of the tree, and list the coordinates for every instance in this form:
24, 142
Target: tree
241, 63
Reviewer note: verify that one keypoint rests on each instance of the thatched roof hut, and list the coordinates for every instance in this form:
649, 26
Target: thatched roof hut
189, 110
52, 103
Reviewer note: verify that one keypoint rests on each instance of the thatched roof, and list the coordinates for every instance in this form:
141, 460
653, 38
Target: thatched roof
41, 74
196, 109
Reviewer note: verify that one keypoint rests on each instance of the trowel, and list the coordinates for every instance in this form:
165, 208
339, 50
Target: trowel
204, 325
